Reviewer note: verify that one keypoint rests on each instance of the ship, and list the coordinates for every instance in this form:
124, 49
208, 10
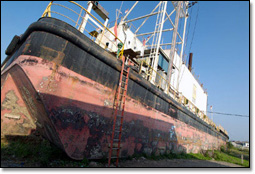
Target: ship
107, 93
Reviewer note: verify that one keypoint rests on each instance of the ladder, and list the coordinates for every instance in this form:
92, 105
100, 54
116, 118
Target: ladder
154, 44
119, 106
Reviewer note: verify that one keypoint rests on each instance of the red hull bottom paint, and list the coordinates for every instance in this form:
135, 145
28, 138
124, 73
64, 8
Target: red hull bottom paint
76, 114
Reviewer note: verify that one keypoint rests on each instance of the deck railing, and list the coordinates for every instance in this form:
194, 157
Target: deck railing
98, 30
189, 105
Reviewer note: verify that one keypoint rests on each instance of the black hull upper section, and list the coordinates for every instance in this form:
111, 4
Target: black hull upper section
57, 41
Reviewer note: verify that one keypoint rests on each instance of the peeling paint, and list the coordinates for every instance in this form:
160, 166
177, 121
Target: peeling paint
11, 103
7, 115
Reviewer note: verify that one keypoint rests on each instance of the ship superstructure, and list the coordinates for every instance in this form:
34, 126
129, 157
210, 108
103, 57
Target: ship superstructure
151, 53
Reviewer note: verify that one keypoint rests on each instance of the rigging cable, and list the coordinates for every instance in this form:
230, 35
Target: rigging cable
194, 28
187, 35
180, 29
237, 115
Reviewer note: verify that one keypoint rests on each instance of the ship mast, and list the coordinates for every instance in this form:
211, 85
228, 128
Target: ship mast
154, 53
180, 7
172, 51
183, 38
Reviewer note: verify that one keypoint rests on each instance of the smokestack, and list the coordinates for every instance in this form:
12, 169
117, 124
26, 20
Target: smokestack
190, 61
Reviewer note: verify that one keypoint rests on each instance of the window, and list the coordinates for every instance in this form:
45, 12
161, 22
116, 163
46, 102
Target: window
194, 95
162, 62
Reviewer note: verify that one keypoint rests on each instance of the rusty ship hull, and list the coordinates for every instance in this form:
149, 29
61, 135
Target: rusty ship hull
61, 83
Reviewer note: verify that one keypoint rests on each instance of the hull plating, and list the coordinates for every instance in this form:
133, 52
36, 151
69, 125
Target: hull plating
79, 110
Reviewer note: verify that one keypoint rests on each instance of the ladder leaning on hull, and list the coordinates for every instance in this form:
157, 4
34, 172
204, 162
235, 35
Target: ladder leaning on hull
119, 106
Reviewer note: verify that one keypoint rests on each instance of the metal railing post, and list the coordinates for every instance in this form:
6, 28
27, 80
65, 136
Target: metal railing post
78, 18
86, 17
47, 10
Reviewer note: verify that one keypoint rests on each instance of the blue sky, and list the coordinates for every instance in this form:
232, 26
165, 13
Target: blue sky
220, 47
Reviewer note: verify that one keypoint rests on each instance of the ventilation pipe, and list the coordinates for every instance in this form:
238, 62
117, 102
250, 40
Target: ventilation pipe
190, 61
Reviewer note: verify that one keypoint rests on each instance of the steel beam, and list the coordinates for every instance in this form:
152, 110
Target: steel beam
86, 17
141, 17
130, 11
183, 37
97, 23
156, 58
164, 44
172, 51
147, 18
168, 16
153, 32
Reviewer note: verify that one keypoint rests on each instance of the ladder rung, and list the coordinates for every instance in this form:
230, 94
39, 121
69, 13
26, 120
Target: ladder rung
119, 94
120, 101
114, 157
119, 104
120, 98
117, 130
119, 108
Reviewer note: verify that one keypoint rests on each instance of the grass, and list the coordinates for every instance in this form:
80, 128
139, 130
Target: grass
231, 155
238, 152
38, 152
217, 155
222, 156
170, 156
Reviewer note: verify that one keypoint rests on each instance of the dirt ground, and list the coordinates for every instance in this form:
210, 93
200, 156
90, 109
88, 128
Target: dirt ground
141, 162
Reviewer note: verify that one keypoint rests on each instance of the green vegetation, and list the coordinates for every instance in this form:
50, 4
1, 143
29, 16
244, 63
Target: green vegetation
37, 152
229, 154
170, 155
222, 156
233, 151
